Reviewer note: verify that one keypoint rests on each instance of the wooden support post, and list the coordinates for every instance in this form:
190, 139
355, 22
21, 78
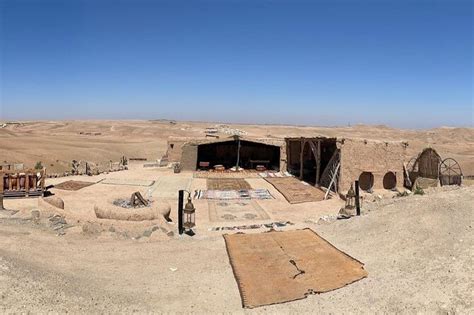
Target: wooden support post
301, 158
35, 178
318, 163
43, 175
27, 184
357, 201
1, 190
180, 211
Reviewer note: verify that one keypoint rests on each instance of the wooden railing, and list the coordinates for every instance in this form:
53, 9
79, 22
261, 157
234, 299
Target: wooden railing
27, 183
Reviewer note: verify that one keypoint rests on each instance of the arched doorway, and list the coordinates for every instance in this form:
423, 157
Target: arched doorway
428, 163
390, 181
366, 181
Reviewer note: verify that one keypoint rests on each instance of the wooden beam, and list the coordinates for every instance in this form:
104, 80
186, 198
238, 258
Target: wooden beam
2, 180
318, 163
43, 175
35, 179
302, 142
316, 153
27, 184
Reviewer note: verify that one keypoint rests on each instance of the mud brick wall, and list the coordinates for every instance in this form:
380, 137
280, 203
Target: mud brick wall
377, 157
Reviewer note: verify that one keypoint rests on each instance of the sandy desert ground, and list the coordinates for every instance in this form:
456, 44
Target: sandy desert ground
418, 249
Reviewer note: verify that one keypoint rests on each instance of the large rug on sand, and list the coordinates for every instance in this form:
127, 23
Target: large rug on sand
277, 267
227, 184
73, 185
295, 191
233, 194
236, 210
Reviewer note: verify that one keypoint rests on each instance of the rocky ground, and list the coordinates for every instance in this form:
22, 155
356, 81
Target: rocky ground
417, 249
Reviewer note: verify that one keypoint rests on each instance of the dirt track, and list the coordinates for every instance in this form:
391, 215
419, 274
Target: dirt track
417, 250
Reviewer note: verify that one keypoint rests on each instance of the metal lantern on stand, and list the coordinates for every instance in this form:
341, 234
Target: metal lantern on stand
189, 213
186, 214
350, 198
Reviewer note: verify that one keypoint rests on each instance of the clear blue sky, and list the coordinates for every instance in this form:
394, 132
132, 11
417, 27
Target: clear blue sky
400, 63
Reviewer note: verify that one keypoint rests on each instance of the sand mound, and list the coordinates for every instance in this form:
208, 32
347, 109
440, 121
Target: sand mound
130, 214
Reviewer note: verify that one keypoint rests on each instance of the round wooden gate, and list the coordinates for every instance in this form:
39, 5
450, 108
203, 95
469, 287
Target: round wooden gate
450, 172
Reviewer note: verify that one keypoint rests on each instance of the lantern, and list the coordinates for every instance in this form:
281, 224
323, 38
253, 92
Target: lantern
350, 198
189, 213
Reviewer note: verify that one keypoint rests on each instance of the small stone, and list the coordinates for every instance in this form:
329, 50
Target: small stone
35, 214
147, 233
90, 228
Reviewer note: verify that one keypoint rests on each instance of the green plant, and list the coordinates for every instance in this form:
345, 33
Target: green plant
418, 191
403, 194
39, 165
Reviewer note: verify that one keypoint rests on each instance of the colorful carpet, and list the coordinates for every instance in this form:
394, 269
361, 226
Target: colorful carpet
232, 210
274, 174
296, 191
277, 267
227, 184
271, 225
226, 174
233, 194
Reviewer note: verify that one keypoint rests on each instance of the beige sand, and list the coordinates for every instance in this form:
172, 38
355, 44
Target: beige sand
417, 249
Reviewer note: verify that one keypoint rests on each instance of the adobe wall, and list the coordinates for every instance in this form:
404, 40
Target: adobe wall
377, 157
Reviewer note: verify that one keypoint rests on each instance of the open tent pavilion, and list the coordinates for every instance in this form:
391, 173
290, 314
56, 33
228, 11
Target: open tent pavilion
245, 152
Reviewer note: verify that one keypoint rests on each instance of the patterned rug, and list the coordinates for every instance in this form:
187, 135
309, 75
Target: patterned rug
274, 174
73, 185
296, 191
227, 184
233, 194
232, 210
277, 267
226, 174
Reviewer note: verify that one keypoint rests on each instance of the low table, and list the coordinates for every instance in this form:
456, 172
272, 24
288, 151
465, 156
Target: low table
261, 162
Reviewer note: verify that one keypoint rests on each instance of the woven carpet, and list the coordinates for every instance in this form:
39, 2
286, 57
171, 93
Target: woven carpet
233, 194
227, 184
226, 174
277, 267
73, 185
295, 191
232, 210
